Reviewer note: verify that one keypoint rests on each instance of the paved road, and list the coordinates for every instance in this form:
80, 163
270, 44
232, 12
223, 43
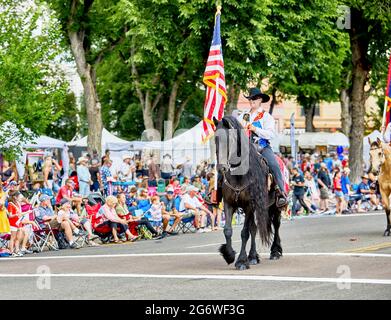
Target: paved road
332, 257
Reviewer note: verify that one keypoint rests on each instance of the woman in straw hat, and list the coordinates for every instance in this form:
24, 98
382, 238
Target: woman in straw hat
84, 177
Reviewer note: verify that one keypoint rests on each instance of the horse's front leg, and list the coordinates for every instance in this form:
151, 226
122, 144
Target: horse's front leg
226, 249
253, 257
386, 204
242, 261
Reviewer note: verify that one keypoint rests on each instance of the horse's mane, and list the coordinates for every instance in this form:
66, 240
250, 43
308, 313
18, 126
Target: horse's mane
232, 121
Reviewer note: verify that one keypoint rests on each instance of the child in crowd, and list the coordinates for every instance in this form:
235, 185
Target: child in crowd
156, 211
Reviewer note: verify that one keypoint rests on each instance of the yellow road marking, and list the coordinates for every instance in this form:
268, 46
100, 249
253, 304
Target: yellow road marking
370, 248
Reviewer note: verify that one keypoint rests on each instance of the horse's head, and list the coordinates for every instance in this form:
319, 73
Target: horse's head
231, 143
376, 156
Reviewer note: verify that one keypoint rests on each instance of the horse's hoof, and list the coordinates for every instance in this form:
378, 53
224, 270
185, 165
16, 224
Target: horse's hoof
386, 233
275, 256
229, 256
242, 267
253, 262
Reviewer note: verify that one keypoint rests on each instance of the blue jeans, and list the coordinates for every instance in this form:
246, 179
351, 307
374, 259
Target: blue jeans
268, 154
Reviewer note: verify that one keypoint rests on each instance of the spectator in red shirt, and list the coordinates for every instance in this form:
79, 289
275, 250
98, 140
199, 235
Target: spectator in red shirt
66, 192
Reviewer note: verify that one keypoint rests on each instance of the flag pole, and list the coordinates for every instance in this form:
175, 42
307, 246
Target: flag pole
384, 114
218, 11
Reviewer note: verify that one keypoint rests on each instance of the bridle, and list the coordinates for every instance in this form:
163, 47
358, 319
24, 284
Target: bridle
237, 190
230, 168
374, 148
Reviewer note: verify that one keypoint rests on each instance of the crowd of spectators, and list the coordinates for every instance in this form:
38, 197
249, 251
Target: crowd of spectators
321, 184
135, 194
141, 194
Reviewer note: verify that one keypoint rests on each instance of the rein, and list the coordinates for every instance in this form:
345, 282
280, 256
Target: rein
237, 190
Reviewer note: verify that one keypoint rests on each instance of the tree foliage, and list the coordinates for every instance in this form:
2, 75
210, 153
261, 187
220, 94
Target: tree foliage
31, 82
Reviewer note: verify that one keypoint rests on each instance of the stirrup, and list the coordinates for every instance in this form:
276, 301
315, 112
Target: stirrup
281, 202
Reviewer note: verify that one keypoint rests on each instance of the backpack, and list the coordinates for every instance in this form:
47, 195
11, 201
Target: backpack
61, 240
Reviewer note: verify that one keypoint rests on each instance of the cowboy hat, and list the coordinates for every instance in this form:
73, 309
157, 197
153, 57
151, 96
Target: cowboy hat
82, 159
365, 176
255, 94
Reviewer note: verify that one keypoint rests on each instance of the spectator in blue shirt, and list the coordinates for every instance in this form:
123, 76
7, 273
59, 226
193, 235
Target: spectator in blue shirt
346, 187
366, 193
329, 162
106, 176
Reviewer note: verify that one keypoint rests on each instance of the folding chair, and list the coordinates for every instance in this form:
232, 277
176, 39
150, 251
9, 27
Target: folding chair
186, 225
44, 237
4, 240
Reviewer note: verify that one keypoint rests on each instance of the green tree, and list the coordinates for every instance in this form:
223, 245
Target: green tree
90, 35
65, 126
31, 81
309, 68
370, 41
167, 46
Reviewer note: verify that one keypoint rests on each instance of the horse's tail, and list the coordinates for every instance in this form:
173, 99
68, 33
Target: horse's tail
264, 224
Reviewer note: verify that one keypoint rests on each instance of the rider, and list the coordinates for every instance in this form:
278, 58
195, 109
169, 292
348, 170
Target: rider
261, 129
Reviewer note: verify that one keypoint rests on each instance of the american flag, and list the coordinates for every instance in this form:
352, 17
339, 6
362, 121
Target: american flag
214, 79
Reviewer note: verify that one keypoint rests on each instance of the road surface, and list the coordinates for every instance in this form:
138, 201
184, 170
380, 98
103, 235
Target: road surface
329, 257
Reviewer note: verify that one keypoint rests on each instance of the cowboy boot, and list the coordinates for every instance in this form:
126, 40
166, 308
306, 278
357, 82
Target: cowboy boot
281, 198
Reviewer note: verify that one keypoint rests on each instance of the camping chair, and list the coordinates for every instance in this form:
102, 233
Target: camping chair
103, 231
186, 225
44, 237
4, 240
355, 198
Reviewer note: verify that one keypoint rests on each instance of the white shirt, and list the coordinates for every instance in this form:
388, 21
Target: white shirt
268, 130
194, 202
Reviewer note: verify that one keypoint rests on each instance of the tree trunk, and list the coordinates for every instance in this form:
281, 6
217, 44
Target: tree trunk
93, 107
159, 117
309, 111
346, 120
169, 125
147, 113
233, 97
360, 72
273, 102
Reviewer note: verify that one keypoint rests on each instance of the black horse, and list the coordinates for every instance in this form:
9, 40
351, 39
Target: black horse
243, 182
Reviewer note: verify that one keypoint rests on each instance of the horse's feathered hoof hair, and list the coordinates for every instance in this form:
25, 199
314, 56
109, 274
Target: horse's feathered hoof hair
275, 255
242, 266
254, 261
387, 233
228, 255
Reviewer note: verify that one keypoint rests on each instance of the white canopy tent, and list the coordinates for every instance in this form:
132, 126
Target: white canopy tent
117, 146
187, 143
44, 142
108, 139
310, 140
